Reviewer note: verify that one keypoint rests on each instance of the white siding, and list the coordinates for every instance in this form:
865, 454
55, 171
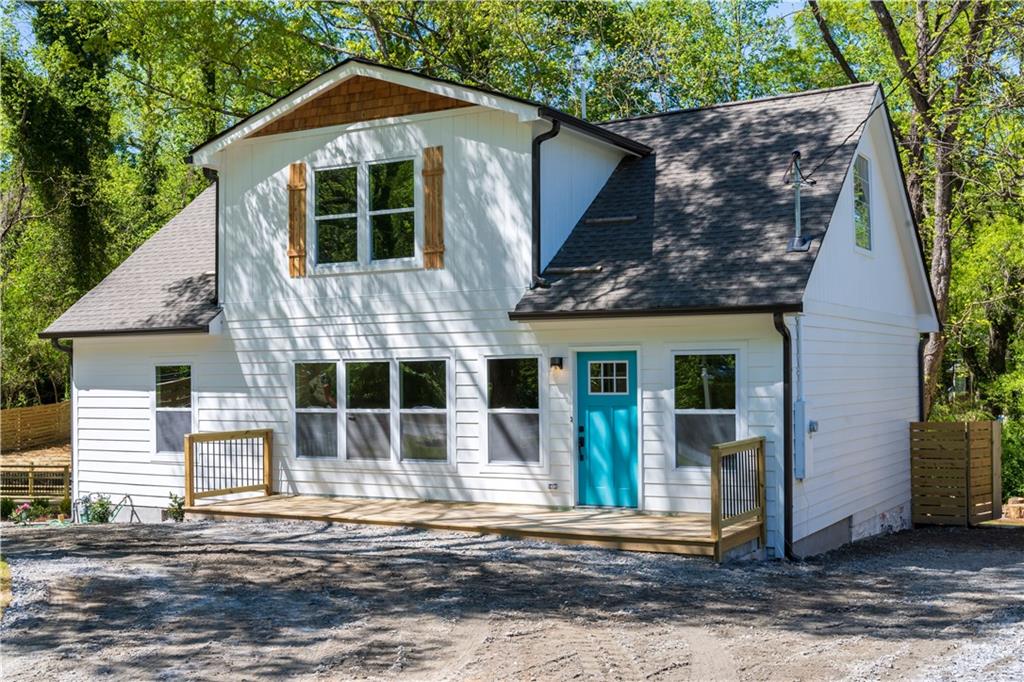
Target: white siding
863, 315
573, 170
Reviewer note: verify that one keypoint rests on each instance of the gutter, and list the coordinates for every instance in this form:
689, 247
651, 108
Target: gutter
595, 131
527, 316
56, 336
535, 279
787, 432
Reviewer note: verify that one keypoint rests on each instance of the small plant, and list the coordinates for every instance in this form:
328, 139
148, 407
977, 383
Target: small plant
176, 509
39, 508
6, 508
97, 509
64, 508
22, 514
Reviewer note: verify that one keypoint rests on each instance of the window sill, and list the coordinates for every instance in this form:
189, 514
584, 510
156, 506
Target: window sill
392, 265
167, 458
867, 253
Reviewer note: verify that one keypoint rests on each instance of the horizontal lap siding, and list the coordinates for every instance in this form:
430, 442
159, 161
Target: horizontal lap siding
862, 389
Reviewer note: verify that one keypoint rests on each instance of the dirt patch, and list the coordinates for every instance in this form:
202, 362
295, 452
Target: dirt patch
50, 455
251, 600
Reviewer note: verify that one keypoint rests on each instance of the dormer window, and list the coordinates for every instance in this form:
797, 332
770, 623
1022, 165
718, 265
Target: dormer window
365, 213
862, 203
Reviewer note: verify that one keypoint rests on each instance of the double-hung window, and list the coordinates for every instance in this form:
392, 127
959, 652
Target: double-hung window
368, 410
316, 409
365, 213
862, 203
173, 407
705, 405
513, 410
423, 413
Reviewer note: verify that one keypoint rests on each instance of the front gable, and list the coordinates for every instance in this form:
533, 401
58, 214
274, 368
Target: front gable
359, 98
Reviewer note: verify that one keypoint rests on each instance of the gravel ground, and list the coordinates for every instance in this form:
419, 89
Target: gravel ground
304, 600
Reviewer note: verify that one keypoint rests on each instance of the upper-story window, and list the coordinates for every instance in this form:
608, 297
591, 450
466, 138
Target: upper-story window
862, 203
365, 212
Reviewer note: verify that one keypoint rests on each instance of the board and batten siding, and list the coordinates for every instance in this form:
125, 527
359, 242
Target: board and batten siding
863, 313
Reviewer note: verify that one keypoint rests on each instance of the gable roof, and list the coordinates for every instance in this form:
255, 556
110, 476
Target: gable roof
166, 285
712, 214
525, 109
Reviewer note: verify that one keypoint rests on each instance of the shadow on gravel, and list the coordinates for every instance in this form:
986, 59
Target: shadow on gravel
294, 586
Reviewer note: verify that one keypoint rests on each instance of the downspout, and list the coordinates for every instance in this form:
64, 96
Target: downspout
922, 342
212, 176
787, 432
69, 351
535, 279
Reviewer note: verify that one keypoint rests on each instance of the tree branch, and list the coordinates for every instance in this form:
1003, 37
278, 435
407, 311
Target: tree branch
892, 36
826, 35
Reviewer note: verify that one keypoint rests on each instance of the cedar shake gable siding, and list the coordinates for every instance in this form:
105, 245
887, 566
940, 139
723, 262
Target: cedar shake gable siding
359, 99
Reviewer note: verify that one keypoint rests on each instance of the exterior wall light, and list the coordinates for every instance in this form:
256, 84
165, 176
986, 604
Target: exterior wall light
556, 362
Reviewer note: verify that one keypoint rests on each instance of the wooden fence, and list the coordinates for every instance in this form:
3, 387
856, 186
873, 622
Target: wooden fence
26, 427
227, 462
955, 472
35, 482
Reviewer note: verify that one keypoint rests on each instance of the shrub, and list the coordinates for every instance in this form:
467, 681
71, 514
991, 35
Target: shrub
97, 509
38, 508
176, 509
6, 508
65, 507
1013, 458
22, 514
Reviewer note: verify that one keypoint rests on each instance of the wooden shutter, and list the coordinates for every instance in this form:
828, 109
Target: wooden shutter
433, 208
297, 220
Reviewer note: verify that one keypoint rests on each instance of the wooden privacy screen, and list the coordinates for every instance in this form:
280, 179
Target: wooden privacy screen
955, 472
25, 427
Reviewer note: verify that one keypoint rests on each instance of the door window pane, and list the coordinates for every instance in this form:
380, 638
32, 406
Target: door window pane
368, 386
609, 377
512, 383
705, 382
174, 386
514, 437
316, 385
316, 434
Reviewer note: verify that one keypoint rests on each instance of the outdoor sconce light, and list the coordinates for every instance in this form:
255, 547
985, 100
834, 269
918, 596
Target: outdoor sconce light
556, 362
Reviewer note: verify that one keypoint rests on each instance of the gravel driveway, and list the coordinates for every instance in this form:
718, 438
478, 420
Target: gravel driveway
257, 600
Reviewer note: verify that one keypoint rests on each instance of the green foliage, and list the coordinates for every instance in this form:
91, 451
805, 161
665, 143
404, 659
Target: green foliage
64, 507
6, 508
39, 508
176, 508
97, 509
1013, 458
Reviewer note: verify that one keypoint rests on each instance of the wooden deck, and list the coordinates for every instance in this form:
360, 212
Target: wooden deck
611, 528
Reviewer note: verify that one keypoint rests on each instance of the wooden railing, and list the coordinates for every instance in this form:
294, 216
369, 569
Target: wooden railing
29, 482
228, 462
737, 492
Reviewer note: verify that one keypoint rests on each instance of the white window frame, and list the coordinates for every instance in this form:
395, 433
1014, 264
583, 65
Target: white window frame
364, 237
154, 409
602, 377
869, 250
391, 410
296, 410
487, 411
446, 410
736, 353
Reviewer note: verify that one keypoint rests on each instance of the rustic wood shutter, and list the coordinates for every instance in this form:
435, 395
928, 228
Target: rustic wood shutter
433, 208
297, 220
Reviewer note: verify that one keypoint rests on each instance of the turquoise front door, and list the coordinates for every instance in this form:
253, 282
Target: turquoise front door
606, 428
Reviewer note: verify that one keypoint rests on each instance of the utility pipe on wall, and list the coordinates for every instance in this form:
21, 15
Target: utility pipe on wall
536, 280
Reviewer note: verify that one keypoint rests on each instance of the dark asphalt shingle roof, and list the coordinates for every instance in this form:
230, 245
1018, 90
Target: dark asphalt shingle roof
713, 215
167, 284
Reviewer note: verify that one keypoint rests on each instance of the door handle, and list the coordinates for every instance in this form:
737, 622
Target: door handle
582, 442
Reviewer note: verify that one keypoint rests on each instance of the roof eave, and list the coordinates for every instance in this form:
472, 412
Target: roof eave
537, 315
184, 329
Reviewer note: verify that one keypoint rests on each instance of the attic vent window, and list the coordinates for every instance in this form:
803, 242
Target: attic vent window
862, 203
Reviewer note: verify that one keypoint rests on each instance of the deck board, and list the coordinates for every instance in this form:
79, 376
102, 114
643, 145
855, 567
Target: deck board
614, 528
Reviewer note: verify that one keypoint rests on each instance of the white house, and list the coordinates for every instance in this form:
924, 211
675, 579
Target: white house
429, 290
